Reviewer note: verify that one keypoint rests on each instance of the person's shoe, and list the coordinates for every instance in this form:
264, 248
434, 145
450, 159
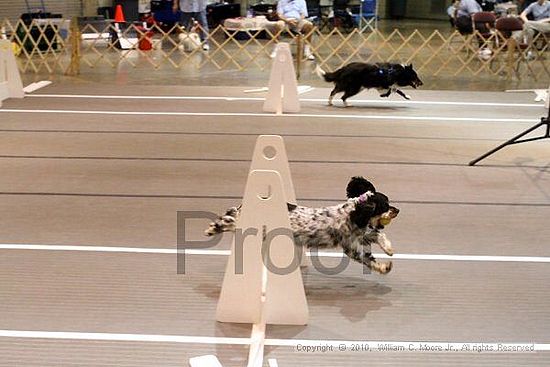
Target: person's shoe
273, 53
307, 53
205, 47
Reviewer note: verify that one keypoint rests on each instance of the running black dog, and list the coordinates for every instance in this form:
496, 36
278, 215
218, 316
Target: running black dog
385, 77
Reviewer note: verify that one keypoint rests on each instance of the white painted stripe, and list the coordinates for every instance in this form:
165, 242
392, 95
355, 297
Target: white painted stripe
538, 259
139, 250
185, 339
244, 114
123, 337
272, 362
264, 89
206, 252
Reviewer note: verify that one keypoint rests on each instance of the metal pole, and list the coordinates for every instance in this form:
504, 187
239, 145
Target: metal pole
299, 54
515, 139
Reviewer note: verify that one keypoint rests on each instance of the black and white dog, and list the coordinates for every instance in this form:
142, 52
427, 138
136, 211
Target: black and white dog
353, 225
385, 77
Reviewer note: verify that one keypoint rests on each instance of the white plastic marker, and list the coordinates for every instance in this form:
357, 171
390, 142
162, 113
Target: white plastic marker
282, 95
35, 86
262, 283
205, 361
10, 79
541, 95
301, 89
270, 154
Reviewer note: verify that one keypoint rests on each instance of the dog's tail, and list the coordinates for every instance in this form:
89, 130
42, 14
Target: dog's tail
327, 77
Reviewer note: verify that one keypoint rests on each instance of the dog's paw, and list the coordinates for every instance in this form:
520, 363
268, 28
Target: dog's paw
382, 268
384, 243
407, 97
210, 231
213, 229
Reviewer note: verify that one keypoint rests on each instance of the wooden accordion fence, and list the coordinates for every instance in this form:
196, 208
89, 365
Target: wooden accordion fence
72, 49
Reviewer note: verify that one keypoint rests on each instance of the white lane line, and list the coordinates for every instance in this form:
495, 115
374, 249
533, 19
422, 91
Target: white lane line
205, 252
340, 345
184, 339
290, 115
138, 250
227, 98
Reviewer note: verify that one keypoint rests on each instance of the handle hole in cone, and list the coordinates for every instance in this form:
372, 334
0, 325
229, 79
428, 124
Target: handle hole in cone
270, 152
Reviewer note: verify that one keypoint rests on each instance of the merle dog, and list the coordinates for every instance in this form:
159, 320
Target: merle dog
385, 77
353, 225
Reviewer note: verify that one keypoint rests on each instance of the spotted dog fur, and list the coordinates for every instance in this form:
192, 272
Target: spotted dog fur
353, 225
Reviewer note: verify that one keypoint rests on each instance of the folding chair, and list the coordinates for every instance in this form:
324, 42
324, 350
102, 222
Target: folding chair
366, 15
506, 27
484, 23
341, 16
314, 11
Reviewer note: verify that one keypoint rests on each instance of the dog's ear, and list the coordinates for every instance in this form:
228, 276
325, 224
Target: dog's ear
362, 213
358, 185
410, 66
381, 203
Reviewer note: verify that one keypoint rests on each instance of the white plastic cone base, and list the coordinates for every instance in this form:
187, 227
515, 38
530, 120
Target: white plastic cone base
282, 95
263, 211
10, 79
270, 154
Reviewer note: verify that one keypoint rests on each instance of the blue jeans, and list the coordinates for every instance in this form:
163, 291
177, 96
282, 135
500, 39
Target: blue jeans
187, 22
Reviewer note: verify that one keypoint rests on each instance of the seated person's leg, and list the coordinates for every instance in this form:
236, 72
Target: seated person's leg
274, 27
305, 27
529, 30
543, 27
519, 36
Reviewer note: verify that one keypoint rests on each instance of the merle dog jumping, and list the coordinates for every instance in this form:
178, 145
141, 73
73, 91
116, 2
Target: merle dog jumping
353, 225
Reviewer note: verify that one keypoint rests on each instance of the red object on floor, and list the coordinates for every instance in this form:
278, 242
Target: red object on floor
119, 14
145, 43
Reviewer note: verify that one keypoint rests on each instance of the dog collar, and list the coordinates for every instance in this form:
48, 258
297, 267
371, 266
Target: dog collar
363, 198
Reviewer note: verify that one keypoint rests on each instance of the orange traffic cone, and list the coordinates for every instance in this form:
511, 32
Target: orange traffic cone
119, 14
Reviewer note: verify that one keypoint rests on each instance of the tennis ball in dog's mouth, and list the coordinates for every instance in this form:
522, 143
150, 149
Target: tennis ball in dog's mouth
385, 221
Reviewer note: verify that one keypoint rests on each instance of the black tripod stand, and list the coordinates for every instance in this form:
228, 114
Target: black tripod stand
545, 121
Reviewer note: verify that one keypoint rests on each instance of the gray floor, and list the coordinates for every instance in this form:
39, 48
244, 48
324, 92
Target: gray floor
119, 179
